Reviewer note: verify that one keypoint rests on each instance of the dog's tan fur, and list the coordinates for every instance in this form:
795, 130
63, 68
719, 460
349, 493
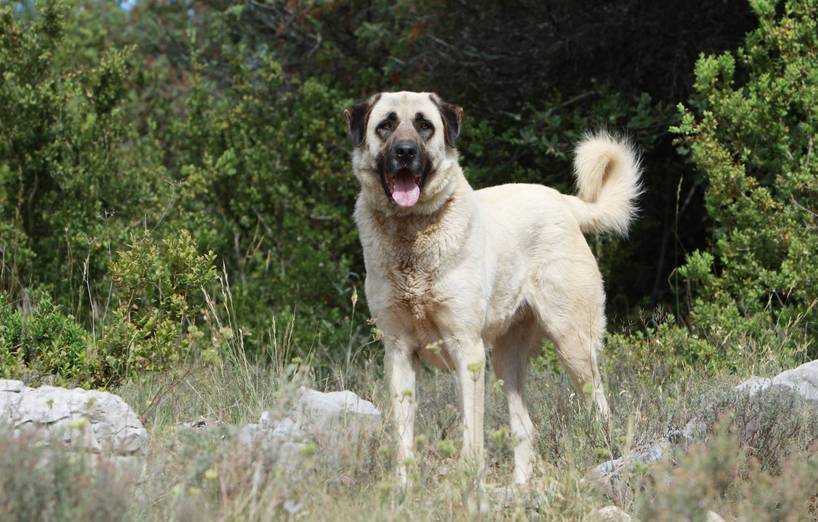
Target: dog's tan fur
465, 271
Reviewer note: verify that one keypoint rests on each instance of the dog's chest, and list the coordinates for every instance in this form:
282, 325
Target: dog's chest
409, 258
413, 274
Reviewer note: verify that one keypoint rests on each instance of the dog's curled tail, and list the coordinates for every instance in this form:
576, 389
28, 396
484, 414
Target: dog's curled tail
608, 182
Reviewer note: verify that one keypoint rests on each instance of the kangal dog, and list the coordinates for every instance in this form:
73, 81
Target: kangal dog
452, 272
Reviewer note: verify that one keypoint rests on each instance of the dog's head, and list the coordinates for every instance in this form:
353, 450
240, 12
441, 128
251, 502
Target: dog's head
404, 146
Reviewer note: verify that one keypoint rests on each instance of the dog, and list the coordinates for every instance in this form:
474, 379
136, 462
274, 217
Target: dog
453, 272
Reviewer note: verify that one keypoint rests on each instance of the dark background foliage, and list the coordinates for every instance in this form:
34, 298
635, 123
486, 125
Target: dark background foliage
172, 171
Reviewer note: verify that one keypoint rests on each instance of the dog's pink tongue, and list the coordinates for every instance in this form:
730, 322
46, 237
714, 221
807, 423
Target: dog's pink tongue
406, 192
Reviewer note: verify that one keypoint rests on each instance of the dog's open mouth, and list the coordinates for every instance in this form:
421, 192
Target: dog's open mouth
403, 186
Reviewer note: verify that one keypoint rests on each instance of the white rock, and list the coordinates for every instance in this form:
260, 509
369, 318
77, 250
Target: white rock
612, 514
9, 402
712, 516
695, 429
87, 419
803, 380
266, 421
7, 385
249, 435
754, 385
328, 412
323, 418
288, 429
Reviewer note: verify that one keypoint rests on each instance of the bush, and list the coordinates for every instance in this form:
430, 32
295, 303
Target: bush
261, 162
100, 142
749, 131
753, 141
161, 288
75, 175
44, 342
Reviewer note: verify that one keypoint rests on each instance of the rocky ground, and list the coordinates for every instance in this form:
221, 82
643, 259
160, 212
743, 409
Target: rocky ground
339, 437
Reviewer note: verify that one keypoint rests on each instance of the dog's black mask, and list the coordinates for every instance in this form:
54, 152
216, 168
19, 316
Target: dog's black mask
404, 167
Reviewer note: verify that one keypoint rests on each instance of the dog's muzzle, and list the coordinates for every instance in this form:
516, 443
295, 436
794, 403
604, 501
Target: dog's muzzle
403, 173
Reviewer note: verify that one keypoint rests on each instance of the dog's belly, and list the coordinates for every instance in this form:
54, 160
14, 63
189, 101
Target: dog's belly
435, 355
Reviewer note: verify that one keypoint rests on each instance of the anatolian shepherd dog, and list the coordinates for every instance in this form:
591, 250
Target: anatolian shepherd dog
452, 272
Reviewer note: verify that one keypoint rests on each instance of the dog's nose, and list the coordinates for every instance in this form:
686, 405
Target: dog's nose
405, 150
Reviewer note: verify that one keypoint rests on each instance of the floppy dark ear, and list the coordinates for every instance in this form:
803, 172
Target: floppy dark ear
452, 119
356, 124
357, 117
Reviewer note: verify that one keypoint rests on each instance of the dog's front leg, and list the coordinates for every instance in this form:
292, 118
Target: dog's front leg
399, 364
470, 362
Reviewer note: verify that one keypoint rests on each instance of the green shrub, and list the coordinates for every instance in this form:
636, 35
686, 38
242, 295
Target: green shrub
262, 167
752, 297
43, 342
75, 175
99, 141
753, 140
160, 288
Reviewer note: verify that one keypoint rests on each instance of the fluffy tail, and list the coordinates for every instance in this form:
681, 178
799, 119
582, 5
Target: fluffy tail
608, 182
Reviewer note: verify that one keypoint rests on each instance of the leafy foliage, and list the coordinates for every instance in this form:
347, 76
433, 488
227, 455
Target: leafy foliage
161, 292
72, 173
754, 143
45, 341
145, 151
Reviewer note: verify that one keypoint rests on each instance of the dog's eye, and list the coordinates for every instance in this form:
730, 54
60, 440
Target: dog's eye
425, 125
385, 126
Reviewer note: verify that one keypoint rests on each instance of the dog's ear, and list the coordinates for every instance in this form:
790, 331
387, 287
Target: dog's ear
357, 117
452, 119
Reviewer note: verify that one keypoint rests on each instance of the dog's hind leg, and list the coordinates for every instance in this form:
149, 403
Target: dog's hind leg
578, 339
572, 312
577, 353
510, 356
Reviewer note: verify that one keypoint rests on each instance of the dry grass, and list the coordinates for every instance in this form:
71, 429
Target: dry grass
202, 474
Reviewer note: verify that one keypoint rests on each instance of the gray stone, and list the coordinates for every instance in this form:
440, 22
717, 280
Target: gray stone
695, 429
288, 429
86, 419
266, 421
283, 442
611, 476
9, 402
612, 514
754, 385
802, 380
316, 418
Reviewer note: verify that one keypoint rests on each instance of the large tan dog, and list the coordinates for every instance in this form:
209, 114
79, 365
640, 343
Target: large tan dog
452, 272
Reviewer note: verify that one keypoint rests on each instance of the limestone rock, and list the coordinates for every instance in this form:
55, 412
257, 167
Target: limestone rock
316, 419
323, 413
612, 514
86, 419
712, 516
802, 380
